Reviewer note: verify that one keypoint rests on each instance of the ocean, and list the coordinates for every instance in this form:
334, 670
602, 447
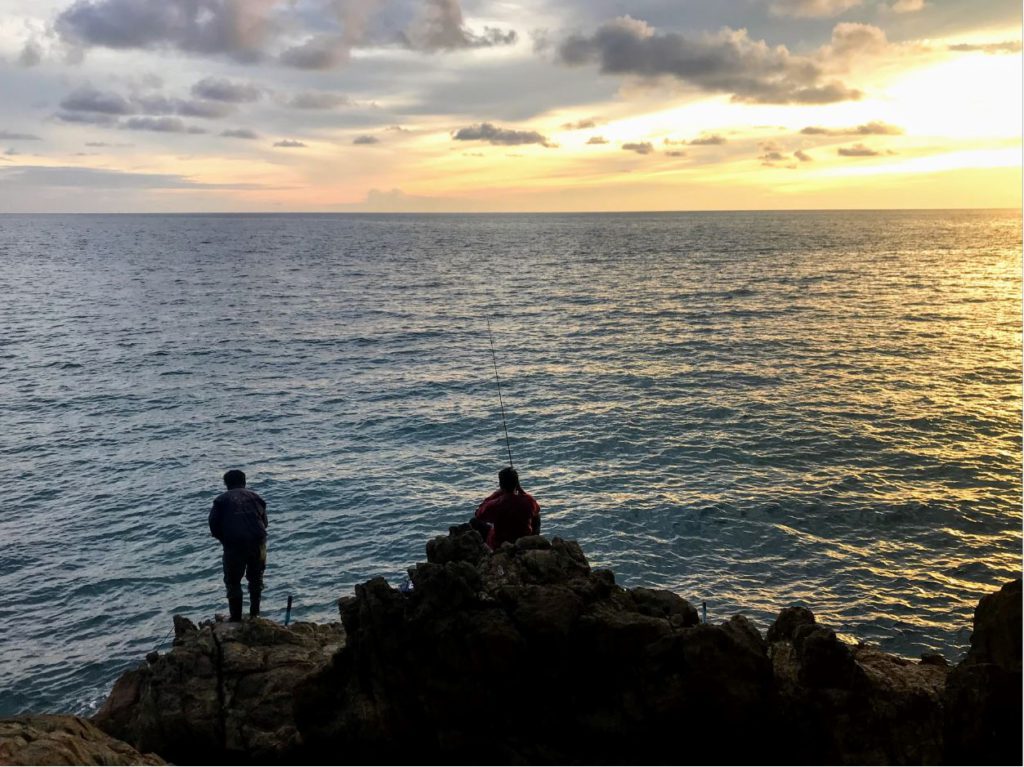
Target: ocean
750, 409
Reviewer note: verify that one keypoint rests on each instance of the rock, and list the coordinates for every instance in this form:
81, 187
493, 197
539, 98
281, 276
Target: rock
843, 705
982, 699
526, 655
933, 659
59, 739
224, 691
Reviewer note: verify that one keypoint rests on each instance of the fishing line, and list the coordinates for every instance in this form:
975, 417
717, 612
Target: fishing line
494, 359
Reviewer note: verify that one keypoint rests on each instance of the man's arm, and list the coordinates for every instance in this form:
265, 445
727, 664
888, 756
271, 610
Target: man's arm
215, 527
535, 521
485, 510
263, 511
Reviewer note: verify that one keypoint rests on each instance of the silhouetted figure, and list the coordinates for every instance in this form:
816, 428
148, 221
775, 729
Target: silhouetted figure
510, 511
238, 520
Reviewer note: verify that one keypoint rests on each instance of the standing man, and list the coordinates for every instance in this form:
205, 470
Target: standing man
238, 520
510, 511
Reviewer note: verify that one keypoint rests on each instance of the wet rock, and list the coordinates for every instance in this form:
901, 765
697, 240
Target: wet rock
224, 691
983, 695
59, 739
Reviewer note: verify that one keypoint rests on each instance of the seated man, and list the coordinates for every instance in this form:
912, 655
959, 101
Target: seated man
510, 511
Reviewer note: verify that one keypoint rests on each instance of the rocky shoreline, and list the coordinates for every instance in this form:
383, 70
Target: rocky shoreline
527, 655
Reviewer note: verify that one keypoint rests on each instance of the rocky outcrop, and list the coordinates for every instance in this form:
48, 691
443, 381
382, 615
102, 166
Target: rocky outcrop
983, 695
59, 739
528, 655
224, 691
852, 705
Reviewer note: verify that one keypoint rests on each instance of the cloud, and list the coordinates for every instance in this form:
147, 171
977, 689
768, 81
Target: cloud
1009, 46
812, 8
207, 109
86, 118
640, 147
230, 28
6, 135
95, 178
724, 62
104, 143
31, 54
11, 151
289, 144
317, 100
597, 140
873, 128
851, 41
580, 124
492, 134
318, 52
440, 27
712, 140
906, 6
364, 140
240, 133
676, 153
802, 156
102, 102
220, 89
160, 125
857, 150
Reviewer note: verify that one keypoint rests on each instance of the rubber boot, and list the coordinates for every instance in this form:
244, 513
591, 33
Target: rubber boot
235, 606
254, 605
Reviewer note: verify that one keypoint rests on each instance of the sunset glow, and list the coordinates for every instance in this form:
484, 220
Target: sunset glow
426, 105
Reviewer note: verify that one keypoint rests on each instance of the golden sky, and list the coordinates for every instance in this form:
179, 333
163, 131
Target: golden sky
433, 105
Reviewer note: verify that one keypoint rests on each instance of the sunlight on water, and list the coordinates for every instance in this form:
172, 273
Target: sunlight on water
749, 409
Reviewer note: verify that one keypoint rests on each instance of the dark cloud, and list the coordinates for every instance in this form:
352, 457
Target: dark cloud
440, 27
31, 54
365, 140
94, 178
86, 118
812, 8
289, 144
6, 135
772, 157
597, 140
802, 156
317, 100
712, 140
873, 128
728, 61
319, 52
240, 133
231, 28
11, 151
857, 150
160, 125
1010, 46
580, 124
492, 134
640, 147
219, 89
101, 102
675, 153
104, 143
90, 100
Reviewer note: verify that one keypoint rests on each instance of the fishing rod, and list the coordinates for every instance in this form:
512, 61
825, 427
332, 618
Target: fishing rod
494, 359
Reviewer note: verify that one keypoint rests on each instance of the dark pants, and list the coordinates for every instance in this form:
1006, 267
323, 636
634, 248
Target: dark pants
250, 562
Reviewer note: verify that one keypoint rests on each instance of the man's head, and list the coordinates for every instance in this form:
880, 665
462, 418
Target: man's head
234, 478
508, 479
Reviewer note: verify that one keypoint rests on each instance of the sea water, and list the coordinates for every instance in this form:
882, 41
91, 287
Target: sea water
749, 409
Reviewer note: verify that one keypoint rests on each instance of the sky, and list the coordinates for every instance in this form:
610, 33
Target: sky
508, 105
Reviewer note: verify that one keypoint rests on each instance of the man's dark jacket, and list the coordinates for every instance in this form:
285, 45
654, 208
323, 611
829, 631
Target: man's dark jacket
238, 519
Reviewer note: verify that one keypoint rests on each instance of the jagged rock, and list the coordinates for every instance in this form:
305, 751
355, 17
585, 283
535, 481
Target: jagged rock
224, 691
983, 695
843, 705
526, 655
59, 739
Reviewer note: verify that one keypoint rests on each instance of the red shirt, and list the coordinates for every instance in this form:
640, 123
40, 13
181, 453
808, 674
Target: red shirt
510, 514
